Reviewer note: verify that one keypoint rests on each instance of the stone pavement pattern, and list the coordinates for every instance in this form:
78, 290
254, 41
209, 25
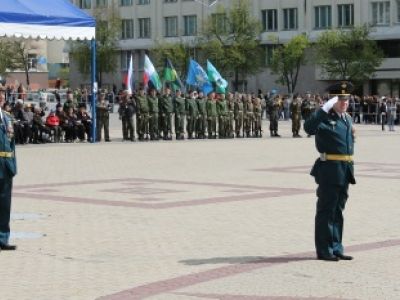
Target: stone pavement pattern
218, 219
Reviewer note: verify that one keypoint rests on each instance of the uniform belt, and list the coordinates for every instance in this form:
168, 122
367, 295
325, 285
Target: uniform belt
337, 157
7, 154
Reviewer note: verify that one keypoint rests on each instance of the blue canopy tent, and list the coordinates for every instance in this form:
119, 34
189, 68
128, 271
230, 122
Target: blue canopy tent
50, 19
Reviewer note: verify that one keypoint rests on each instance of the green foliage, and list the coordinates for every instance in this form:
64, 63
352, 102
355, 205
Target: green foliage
231, 40
348, 54
6, 54
287, 60
178, 54
108, 30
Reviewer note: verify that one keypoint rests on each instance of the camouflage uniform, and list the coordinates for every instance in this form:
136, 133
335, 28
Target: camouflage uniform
102, 119
142, 117
238, 112
231, 116
211, 107
273, 110
257, 109
201, 125
153, 116
192, 114
180, 111
166, 110
248, 116
222, 111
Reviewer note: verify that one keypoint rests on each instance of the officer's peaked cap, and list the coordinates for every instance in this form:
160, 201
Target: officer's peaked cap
343, 88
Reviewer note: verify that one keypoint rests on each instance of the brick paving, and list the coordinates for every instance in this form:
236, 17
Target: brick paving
209, 219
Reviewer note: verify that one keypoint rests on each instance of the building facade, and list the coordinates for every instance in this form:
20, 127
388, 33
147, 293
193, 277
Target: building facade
148, 22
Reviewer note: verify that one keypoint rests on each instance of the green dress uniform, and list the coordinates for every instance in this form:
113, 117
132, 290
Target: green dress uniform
180, 112
192, 114
238, 112
295, 115
222, 111
333, 172
166, 110
143, 117
153, 117
211, 107
201, 125
8, 169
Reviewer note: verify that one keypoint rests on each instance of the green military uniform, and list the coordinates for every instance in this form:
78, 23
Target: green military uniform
8, 170
180, 112
211, 107
295, 115
333, 172
153, 116
102, 120
238, 112
192, 114
142, 117
273, 110
222, 111
248, 117
166, 110
202, 118
230, 118
257, 109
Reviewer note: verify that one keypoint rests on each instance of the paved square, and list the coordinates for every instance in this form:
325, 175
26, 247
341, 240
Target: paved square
182, 220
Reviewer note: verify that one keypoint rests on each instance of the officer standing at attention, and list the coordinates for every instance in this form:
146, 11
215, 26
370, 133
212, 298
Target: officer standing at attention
180, 112
102, 118
333, 171
166, 109
142, 107
152, 100
295, 115
8, 169
127, 110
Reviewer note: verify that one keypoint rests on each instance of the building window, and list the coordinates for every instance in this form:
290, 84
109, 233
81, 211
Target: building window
290, 18
219, 22
143, 2
125, 59
127, 29
345, 15
190, 23
323, 17
380, 13
144, 28
170, 1
32, 62
85, 4
171, 26
101, 3
269, 19
125, 2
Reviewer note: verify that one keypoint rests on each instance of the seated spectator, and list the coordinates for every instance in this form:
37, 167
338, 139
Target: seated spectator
84, 124
40, 132
70, 124
53, 124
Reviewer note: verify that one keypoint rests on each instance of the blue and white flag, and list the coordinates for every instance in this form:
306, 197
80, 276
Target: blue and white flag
198, 77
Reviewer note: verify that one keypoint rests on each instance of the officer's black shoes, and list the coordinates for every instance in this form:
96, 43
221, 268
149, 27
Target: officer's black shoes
8, 247
328, 258
343, 257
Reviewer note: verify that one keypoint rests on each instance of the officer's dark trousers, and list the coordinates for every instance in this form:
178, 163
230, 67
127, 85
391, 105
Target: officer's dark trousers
329, 219
5, 208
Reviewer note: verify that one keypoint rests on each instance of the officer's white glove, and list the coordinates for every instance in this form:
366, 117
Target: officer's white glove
329, 104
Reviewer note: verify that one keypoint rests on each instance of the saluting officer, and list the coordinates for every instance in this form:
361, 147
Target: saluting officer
333, 171
8, 169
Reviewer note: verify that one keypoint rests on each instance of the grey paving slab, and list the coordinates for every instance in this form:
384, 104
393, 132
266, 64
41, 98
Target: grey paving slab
209, 219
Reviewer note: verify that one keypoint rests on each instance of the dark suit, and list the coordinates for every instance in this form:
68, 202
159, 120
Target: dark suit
7, 171
333, 135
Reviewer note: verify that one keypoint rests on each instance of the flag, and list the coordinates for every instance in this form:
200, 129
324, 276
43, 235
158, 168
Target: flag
215, 77
150, 75
198, 77
129, 77
171, 76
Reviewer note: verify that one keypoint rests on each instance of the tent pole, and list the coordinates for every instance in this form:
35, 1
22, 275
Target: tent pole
94, 90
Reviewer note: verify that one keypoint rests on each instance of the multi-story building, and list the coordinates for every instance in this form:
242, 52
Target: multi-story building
147, 22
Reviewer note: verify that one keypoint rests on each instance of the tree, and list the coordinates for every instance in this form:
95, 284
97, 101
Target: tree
178, 53
287, 60
348, 54
231, 40
108, 32
6, 54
